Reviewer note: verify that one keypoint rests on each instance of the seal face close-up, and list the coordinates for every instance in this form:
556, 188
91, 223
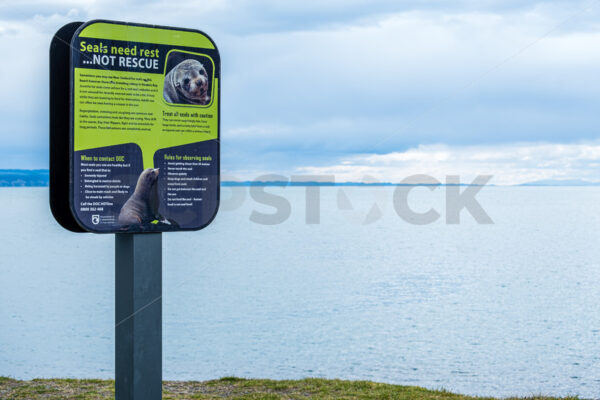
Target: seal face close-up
143, 204
187, 83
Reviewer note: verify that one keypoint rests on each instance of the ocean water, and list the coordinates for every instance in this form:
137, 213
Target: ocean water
510, 308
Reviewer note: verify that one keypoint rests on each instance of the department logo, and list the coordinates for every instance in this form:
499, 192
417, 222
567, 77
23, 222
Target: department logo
95, 219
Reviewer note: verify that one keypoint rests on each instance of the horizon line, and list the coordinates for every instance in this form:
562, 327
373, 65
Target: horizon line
42, 180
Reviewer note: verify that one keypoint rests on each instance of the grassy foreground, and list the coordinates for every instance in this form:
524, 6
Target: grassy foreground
225, 388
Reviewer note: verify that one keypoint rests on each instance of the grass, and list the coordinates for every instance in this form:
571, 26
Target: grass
228, 388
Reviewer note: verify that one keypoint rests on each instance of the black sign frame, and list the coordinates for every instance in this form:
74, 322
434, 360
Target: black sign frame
62, 166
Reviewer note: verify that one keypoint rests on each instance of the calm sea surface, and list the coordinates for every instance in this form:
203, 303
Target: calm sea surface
511, 308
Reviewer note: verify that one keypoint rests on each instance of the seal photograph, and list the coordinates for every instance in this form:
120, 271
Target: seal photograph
141, 209
188, 81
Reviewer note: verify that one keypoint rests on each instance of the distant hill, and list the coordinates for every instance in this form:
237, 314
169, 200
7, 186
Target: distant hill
24, 177
561, 182
40, 177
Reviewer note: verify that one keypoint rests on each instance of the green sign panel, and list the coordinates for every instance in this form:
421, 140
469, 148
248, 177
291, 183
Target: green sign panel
144, 128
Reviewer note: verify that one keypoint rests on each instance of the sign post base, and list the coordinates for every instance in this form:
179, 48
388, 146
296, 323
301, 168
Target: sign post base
138, 316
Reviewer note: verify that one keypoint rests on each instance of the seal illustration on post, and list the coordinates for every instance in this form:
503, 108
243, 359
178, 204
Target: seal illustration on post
142, 207
187, 83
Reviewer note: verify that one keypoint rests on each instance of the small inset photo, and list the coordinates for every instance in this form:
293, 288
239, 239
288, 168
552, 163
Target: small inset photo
188, 78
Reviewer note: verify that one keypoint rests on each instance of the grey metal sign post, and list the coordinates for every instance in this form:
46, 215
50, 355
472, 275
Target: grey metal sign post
138, 316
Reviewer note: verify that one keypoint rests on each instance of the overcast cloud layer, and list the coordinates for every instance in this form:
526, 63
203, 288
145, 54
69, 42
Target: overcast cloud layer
345, 85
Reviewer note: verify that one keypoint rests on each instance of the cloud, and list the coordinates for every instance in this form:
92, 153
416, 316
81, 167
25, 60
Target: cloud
307, 83
509, 164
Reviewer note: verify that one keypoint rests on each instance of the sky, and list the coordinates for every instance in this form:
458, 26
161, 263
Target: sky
359, 90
